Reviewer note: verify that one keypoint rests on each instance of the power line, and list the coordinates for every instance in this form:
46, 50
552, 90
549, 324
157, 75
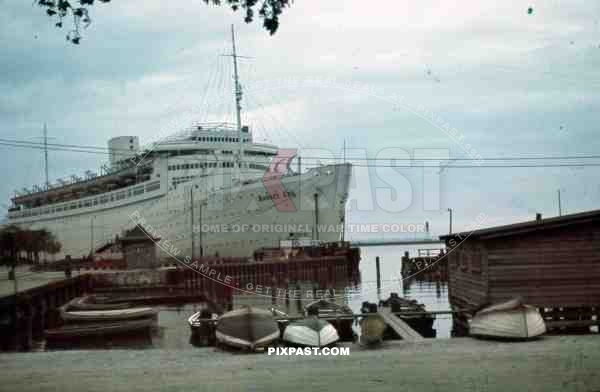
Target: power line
508, 158
369, 161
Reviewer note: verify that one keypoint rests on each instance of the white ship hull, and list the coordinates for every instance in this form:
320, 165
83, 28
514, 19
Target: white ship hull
227, 222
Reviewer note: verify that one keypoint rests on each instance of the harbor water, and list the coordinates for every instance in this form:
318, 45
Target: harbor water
173, 331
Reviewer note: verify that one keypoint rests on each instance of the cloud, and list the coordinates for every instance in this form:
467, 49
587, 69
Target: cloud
505, 79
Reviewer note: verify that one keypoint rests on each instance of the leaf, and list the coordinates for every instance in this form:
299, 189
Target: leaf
50, 12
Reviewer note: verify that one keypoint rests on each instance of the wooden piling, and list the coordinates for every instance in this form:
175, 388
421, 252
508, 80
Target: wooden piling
378, 274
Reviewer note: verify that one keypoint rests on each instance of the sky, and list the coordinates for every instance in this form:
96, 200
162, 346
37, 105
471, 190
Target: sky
511, 83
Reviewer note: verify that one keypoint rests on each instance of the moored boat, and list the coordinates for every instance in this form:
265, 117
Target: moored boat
412, 313
325, 308
90, 302
340, 316
310, 332
247, 328
508, 320
106, 315
105, 329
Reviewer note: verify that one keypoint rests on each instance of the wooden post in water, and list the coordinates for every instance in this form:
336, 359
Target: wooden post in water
378, 274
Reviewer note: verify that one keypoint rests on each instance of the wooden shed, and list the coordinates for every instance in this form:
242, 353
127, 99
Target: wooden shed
140, 249
553, 264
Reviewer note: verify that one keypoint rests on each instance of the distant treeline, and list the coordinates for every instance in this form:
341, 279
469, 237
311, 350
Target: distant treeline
22, 246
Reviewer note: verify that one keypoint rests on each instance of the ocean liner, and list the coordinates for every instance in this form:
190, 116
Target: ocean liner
201, 189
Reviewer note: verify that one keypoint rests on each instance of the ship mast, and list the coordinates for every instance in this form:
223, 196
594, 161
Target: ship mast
238, 98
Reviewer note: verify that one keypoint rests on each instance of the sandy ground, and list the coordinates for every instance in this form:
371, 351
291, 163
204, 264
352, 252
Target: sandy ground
556, 363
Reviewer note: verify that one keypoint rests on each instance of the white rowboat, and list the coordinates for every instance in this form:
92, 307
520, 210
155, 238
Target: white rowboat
508, 320
248, 328
310, 332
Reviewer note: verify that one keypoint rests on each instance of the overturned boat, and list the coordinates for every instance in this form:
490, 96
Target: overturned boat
310, 332
372, 326
508, 320
247, 328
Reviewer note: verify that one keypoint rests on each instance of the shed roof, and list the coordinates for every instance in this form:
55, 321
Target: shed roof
529, 226
138, 234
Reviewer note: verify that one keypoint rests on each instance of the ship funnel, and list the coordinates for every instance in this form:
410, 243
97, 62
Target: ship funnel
122, 148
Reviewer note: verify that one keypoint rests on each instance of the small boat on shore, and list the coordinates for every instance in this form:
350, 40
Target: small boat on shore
372, 326
340, 316
75, 332
508, 320
78, 316
247, 328
310, 332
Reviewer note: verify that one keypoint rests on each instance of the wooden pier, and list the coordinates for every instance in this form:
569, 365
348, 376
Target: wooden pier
399, 326
24, 316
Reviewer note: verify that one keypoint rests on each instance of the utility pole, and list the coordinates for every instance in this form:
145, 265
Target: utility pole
200, 223
316, 196
299, 182
450, 211
92, 236
559, 204
46, 155
192, 219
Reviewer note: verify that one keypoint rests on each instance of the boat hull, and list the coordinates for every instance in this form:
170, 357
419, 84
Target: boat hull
372, 328
340, 316
73, 332
402, 307
508, 322
79, 316
236, 220
247, 328
87, 303
310, 332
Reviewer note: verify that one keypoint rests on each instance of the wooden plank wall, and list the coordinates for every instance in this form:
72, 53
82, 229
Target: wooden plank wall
549, 268
558, 268
467, 275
